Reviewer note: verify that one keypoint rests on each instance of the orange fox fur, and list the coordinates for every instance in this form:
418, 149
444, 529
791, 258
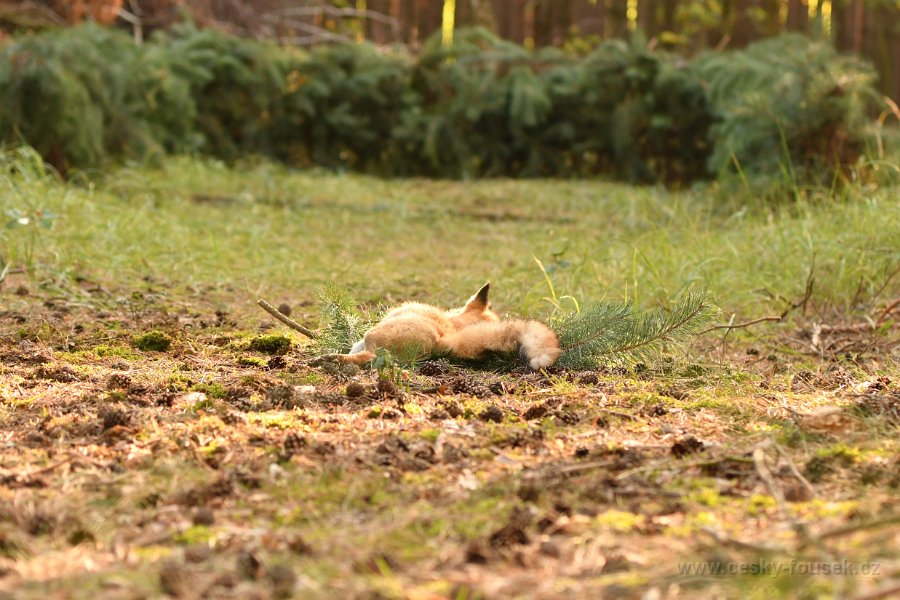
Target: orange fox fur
466, 332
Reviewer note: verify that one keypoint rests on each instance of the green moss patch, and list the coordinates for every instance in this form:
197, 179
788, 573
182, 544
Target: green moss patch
152, 341
270, 344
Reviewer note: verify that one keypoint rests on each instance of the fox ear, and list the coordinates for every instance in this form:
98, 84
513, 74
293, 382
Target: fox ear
480, 300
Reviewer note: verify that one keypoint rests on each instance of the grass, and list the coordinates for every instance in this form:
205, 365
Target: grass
262, 230
229, 464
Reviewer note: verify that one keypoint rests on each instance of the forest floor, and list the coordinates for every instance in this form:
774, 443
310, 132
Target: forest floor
759, 462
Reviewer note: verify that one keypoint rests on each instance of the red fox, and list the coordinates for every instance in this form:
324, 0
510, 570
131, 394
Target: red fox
467, 332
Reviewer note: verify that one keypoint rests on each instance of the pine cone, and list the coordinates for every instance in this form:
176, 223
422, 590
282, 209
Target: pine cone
232, 418
281, 395
471, 388
328, 397
293, 443
432, 368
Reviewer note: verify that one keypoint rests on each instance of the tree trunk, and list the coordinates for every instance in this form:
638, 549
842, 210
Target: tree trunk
430, 16
378, 31
406, 14
744, 30
465, 14
668, 22
552, 19
587, 17
771, 25
543, 22
648, 17
847, 24
509, 17
616, 18
879, 43
797, 16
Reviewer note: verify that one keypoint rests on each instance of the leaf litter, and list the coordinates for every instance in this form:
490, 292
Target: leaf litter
210, 469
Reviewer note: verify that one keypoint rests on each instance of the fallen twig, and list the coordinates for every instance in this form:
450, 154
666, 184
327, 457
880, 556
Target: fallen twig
286, 319
796, 472
762, 469
740, 325
681, 467
857, 527
725, 540
887, 311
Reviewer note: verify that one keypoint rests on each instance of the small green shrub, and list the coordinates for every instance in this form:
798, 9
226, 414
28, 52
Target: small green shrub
153, 341
251, 361
235, 85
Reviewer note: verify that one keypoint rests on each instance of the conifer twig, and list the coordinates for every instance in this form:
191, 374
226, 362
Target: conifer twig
644, 342
286, 319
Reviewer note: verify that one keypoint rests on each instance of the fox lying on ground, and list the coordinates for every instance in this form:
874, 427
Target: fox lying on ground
468, 332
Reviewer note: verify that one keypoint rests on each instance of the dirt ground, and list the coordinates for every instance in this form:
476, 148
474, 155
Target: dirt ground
765, 466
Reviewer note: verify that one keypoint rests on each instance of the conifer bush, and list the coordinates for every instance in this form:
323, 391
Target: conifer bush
648, 114
64, 95
786, 103
480, 107
341, 105
477, 98
236, 85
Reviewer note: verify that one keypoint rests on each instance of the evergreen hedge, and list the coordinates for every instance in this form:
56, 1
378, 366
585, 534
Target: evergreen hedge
482, 107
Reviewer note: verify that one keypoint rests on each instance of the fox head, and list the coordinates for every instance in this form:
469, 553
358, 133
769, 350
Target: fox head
476, 310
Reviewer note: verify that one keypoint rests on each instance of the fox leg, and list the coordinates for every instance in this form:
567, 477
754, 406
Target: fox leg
358, 358
536, 344
358, 355
403, 337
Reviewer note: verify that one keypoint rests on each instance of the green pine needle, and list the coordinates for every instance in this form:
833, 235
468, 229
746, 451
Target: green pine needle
342, 323
607, 332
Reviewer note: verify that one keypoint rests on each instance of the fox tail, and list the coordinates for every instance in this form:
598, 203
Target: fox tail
536, 344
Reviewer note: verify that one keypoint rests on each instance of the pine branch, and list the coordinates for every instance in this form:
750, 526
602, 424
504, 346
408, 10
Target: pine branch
680, 324
607, 332
342, 323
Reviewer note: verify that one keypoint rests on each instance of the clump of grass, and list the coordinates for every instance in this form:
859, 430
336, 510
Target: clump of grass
271, 344
213, 390
178, 383
153, 341
103, 351
251, 361
196, 534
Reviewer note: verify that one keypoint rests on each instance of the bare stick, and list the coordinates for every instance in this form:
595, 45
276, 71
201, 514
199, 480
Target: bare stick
725, 540
850, 529
888, 311
796, 472
286, 319
729, 327
807, 294
762, 469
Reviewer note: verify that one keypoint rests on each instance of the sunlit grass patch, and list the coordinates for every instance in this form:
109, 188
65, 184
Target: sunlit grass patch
387, 240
